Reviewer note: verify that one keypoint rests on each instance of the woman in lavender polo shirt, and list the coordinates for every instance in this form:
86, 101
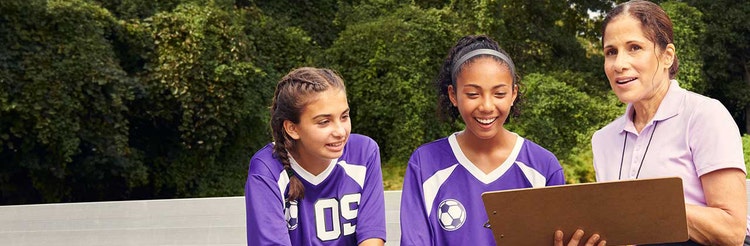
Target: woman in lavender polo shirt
667, 130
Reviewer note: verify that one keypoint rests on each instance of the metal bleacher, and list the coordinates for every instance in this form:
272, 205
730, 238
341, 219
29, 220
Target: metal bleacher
198, 221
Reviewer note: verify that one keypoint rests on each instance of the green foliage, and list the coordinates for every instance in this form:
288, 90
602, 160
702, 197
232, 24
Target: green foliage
204, 104
388, 64
726, 54
579, 166
560, 117
539, 37
393, 174
63, 110
746, 151
124, 99
137, 9
315, 17
173, 105
689, 32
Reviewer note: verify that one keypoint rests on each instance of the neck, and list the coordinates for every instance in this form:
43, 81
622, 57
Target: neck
312, 165
644, 110
487, 154
478, 145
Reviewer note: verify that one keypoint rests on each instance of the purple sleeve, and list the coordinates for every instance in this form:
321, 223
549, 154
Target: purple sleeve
371, 218
415, 227
556, 177
266, 224
713, 126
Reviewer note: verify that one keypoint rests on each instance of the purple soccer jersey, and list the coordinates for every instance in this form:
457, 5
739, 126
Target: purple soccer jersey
441, 203
343, 205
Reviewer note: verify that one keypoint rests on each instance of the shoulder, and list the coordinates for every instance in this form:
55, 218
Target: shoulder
433, 152
438, 145
360, 149
538, 153
703, 113
264, 163
433, 156
361, 142
531, 146
701, 104
613, 128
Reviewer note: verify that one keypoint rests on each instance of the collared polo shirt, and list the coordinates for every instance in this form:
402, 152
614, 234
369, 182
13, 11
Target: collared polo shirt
690, 135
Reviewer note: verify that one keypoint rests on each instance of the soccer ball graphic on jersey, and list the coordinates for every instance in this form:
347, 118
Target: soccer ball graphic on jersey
291, 212
451, 214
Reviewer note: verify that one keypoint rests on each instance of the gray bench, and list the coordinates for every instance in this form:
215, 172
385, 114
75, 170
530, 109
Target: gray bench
200, 221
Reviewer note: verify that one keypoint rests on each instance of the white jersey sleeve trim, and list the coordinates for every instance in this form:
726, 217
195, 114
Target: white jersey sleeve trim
432, 185
283, 182
535, 177
356, 172
475, 171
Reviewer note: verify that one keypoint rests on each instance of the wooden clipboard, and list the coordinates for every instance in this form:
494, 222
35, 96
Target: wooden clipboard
642, 211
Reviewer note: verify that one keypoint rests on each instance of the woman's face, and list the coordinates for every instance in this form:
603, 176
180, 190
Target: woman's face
483, 94
636, 69
323, 129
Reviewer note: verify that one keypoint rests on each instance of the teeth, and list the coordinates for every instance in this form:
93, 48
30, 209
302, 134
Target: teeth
486, 121
625, 81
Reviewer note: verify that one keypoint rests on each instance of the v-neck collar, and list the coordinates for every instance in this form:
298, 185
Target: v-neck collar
309, 177
475, 171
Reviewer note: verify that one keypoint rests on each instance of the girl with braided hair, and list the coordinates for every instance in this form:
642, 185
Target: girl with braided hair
316, 184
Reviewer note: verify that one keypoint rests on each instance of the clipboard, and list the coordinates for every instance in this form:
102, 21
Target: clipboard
641, 211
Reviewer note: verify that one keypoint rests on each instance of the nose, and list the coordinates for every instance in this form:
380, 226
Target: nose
488, 104
339, 129
620, 63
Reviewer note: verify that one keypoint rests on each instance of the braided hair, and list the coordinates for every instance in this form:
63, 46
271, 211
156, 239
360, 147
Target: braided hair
295, 90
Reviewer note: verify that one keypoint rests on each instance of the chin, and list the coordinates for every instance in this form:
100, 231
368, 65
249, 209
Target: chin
332, 155
484, 135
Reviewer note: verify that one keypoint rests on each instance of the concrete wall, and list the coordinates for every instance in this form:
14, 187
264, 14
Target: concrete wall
200, 221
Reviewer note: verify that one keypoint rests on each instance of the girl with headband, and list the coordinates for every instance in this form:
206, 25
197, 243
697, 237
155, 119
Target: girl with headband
316, 184
441, 201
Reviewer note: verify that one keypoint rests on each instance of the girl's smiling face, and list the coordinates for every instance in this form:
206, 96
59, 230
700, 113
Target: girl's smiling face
484, 94
323, 129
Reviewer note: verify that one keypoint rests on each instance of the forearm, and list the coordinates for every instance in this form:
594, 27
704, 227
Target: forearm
715, 226
372, 242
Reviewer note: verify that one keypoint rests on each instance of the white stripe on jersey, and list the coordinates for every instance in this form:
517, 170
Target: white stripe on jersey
283, 181
433, 184
356, 172
535, 178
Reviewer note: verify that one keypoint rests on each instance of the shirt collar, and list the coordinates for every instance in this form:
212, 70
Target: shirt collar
669, 107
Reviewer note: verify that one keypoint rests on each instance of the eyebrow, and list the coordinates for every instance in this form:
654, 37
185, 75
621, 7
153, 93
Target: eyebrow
329, 115
626, 43
479, 87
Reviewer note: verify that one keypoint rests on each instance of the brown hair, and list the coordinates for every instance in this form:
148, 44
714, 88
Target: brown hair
293, 93
656, 25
